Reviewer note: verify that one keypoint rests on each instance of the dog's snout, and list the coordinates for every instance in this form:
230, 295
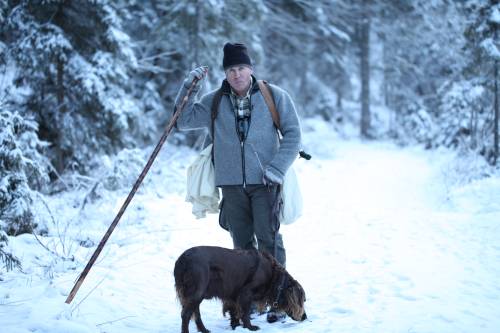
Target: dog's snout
304, 317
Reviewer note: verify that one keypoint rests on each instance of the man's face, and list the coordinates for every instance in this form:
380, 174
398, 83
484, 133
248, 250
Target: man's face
239, 78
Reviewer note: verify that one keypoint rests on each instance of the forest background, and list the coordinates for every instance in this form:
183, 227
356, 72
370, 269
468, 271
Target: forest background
86, 85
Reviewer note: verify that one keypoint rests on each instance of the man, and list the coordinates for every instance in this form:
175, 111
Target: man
249, 158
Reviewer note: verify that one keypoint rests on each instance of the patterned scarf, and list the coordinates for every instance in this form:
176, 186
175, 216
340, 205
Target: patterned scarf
241, 105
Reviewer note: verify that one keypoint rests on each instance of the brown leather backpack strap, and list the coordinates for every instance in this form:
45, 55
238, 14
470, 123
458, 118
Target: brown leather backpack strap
268, 97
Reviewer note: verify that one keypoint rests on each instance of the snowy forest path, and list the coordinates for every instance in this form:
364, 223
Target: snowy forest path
385, 250
379, 249
384, 245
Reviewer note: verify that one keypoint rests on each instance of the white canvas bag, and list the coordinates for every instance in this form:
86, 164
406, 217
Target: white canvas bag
291, 196
201, 189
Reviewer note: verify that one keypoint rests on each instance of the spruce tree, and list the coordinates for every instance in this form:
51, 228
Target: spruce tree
78, 64
21, 163
483, 48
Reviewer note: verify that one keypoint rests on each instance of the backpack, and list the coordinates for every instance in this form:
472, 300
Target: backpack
290, 205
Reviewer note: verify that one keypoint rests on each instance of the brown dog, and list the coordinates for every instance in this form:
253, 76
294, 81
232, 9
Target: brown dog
238, 278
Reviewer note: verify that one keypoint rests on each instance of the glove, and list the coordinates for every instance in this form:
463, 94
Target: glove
197, 73
271, 178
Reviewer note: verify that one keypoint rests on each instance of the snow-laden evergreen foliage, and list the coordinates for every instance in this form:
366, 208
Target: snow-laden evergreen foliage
23, 166
305, 48
416, 65
78, 64
100, 75
96, 78
464, 121
20, 165
6, 258
481, 73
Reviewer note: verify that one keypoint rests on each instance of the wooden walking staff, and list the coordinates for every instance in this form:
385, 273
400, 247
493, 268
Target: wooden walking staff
131, 194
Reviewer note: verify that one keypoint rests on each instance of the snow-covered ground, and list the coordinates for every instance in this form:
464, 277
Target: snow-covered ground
392, 240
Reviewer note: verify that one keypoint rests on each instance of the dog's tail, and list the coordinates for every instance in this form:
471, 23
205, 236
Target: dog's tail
182, 278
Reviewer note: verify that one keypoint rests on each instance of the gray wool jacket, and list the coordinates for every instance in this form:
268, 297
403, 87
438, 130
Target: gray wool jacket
237, 163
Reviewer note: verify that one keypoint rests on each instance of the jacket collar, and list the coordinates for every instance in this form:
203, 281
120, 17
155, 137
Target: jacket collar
226, 88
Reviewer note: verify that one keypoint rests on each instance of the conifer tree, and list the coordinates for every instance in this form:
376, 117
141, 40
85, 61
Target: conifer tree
78, 63
483, 48
20, 164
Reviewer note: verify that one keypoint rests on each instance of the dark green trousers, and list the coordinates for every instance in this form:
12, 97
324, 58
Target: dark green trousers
248, 215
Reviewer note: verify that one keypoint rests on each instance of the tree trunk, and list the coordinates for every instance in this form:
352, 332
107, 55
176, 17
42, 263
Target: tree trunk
473, 128
385, 70
386, 85
365, 76
60, 155
495, 124
338, 91
197, 34
304, 96
496, 116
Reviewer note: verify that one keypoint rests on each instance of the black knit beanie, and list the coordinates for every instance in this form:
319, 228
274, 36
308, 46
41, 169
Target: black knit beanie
235, 54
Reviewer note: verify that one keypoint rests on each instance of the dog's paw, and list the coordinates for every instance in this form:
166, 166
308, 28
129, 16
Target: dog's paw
253, 328
234, 324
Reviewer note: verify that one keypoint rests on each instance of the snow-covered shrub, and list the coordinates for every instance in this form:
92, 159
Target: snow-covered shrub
6, 258
465, 167
414, 124
123, 170
115, 173
464, 120
22, 169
